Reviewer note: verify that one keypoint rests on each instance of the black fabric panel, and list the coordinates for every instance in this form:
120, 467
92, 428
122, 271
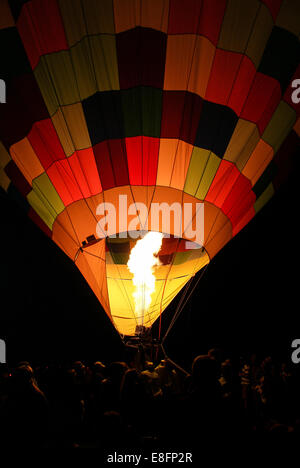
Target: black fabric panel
216, 126
103, 113
141, 57
16, 7
13, 58
281, 56
286, 158
17, 178
24, 106
265, 179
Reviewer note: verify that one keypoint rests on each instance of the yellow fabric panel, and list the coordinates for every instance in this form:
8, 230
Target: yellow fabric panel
180, 50
264, 197
6, 19
148, 14
61, 127
242, 143
86, 17
201, 65
95, 65
258, 161
280, 125
104, 56
237, 24
181, 164
202, 169
43, 188
42, 207
4, 156
56, 79
260, 35
208, 174
167, 150
26, 159
4, 180
288, 17
297, 127
76, 125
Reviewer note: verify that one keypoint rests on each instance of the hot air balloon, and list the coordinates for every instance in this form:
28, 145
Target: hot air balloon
152, 101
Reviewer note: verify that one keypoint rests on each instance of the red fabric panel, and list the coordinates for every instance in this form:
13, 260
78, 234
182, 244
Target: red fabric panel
103, 161
263, 99
172, 114
64, 181
225, 177
142, 159
242, 85
244, 221
197, 17
17, 178
290, 90
211, 19
39, 222
184, 16
85, 159
41, 29
117, 150
239, 200
232, 192
150, 159
273, 6
45, 142
223, 73
134, 159
180, 115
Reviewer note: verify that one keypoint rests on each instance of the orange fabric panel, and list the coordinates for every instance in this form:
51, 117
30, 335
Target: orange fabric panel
167, 150
26, 159
181, 165
189, 60
63, 234
259, 159
6, 19
297, 127
217, 229
180, 50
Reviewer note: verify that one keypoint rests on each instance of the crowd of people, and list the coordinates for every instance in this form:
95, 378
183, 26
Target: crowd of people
142, 404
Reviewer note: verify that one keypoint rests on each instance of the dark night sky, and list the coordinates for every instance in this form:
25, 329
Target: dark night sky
247, 299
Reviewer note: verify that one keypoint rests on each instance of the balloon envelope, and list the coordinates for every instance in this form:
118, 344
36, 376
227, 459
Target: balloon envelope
163, 101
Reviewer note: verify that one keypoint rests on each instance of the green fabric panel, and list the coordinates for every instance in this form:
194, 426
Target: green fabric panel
95, 65
45, 200
237, 24
260, 35
280, 125
265, 179
196, 168
57, 81
208, 176
86, 17
264, 197
104, 56
142, 111
181, 257
120, 258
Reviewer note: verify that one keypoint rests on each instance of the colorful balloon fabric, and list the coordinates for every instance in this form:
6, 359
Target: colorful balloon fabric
160, 100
